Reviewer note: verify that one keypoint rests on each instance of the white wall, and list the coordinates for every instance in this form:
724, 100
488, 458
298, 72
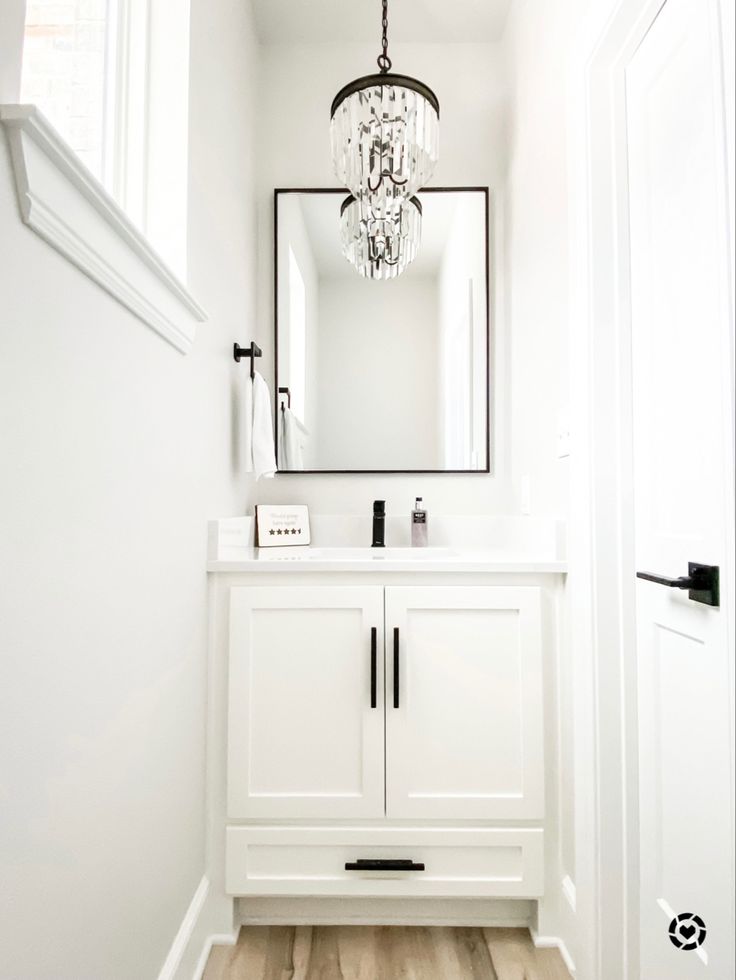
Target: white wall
298, 83
377, 375
115, 450
539, 39
537, 43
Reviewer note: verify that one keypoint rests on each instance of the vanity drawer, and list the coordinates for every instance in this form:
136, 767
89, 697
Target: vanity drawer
488, 862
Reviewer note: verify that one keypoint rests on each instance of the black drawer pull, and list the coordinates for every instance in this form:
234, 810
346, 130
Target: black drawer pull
388, 864
374, 667
396, 666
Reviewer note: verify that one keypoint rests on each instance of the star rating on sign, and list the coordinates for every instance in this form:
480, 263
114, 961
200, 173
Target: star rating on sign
281, 527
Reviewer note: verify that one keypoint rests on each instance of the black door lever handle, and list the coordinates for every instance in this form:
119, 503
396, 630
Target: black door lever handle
702, 582
683, 582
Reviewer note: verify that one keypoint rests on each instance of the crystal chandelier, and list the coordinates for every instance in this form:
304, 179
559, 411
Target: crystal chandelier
380, 245
385, 144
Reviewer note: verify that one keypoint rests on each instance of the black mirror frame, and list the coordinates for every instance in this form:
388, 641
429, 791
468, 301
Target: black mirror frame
425, 190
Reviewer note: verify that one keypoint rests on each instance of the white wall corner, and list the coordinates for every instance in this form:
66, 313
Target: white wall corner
71, 210
570, 892
554, 942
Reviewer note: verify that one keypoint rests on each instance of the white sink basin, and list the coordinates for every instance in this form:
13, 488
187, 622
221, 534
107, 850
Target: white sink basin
361, 554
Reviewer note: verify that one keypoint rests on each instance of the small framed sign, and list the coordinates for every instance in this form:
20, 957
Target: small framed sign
281, 525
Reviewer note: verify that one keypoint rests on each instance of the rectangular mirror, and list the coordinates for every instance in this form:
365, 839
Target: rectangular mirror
382, 376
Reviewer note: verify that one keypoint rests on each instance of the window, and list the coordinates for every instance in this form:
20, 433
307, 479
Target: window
99, 147
65, 71
112, 78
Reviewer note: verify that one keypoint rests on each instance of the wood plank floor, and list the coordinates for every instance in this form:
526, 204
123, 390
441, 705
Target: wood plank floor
383, 953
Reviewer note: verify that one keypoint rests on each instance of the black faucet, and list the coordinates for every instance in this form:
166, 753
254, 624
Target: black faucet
379, 524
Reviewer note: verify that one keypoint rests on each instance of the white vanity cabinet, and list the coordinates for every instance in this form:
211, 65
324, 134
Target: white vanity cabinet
385, 703
380, 720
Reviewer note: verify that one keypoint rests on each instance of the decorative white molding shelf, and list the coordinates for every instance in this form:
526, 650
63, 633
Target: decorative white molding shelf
71, 210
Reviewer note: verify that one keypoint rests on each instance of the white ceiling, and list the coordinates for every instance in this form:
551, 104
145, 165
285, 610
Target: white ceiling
281, 21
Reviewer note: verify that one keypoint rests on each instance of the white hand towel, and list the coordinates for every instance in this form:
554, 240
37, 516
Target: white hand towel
264, 452
245, 430
293, 441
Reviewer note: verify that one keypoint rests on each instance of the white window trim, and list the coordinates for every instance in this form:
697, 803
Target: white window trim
128, 96
71, 210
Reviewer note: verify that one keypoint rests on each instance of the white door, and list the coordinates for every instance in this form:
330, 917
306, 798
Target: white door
306, 717
464, 703
683, 466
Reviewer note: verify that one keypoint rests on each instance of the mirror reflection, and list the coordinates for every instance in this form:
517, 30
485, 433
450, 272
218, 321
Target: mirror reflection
389, 375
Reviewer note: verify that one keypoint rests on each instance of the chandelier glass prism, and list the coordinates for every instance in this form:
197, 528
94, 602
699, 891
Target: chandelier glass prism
380, 246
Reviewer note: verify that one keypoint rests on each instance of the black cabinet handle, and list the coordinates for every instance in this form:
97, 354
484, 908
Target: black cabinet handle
374, 667
396, 666
702, 582
387, 864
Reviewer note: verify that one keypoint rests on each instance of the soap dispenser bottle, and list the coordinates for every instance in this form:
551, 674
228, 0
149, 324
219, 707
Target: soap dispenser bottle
419, 537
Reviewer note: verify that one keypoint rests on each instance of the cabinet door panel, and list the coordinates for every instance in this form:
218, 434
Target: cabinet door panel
466, 739
303, 740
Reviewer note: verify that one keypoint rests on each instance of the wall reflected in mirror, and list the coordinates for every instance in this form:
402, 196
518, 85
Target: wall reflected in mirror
382, 375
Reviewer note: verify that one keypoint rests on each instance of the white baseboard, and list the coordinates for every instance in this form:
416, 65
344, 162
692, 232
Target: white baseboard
181, 940
385, 912
553, 942
227, 939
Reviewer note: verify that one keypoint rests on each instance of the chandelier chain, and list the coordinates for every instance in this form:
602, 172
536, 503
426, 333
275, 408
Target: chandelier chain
384, 62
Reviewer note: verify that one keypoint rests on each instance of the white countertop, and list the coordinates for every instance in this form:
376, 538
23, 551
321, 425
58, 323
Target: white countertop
269, 560
518, 547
